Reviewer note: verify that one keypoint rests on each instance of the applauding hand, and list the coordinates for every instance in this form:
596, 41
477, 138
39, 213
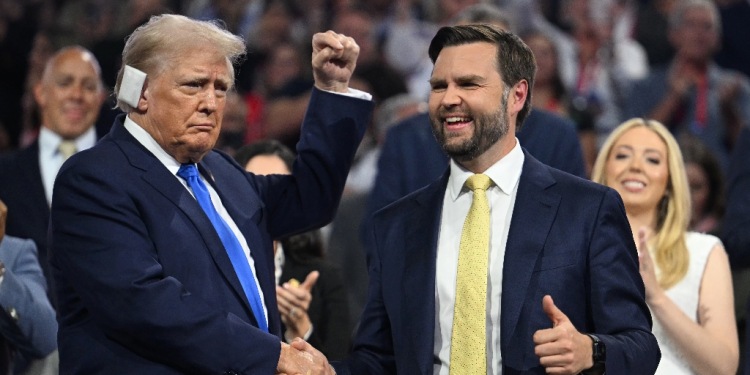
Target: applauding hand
293, 302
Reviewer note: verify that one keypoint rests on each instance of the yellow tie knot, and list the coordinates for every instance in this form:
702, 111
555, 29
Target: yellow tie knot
478, 181
67, 149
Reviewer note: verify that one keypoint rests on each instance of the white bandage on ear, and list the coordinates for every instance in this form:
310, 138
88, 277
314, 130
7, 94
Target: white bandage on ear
131, 86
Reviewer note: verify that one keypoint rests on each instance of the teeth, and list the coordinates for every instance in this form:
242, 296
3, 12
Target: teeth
634, 184
454, 119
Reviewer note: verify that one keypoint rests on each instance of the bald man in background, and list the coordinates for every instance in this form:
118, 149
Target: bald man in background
69, 96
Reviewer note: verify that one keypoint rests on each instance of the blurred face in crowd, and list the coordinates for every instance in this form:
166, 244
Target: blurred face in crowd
357, 25
697, 38
70, 93
267, 164
544, 53
700, 188
637, 168
283, 66
184, 104
452, 7
468, 100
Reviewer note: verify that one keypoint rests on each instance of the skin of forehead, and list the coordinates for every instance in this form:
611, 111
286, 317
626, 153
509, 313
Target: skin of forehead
70, 54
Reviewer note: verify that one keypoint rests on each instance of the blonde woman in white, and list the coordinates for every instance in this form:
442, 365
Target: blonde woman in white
686, 274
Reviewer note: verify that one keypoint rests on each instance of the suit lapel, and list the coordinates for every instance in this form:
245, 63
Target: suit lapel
421, 237
242, 211
533, 214
156, 175
32, 178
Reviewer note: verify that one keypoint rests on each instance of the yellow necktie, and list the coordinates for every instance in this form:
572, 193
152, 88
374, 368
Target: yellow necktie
67, 149
468, 341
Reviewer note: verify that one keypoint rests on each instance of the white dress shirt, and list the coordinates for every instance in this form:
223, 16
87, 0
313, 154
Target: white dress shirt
50, 159
501, 197
173, 166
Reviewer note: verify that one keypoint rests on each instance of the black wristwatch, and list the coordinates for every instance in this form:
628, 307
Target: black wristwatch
599, 356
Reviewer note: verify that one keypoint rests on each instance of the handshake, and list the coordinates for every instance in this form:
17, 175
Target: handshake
300, 358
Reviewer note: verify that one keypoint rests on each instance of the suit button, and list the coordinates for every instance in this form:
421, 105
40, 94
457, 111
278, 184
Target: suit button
13, 314
230, 372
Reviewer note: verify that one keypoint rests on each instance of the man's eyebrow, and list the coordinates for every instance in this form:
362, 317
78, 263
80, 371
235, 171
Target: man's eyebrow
436, 81
470, 78
461, 79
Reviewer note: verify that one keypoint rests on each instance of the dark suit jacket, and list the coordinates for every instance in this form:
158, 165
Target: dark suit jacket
329, 310
22, 191
568, 238
24, 291
736, 236
412, 157
144, 283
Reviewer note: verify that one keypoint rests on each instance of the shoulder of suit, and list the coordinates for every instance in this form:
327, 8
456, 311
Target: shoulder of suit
18, 158
13, 246
578, 186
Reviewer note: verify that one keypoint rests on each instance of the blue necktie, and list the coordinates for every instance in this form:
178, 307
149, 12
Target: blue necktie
239, 261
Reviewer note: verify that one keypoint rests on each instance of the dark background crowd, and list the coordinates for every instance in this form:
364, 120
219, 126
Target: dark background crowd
600, 62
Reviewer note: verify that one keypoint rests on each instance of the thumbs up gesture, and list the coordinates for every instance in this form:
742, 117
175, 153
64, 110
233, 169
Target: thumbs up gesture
562, 349
293, 300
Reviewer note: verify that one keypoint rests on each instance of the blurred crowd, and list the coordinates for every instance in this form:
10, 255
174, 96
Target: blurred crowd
684, 63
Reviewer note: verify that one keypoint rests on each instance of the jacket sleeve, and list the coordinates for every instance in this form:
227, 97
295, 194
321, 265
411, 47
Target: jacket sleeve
33, 331
621, 318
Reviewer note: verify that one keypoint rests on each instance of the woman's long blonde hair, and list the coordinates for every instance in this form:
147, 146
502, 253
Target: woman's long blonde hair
673, 213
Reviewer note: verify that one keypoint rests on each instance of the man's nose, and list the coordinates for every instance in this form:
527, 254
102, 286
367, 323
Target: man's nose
209, 103
451, 97
76, 91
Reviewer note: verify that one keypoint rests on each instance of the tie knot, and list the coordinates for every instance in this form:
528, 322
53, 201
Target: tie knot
67, 149
187, 171
478, 182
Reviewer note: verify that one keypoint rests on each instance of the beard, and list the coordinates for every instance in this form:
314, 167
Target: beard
488, 129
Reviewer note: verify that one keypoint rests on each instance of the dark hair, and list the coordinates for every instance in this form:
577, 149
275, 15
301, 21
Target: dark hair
515, 61
265, 147
304, 247
694, 151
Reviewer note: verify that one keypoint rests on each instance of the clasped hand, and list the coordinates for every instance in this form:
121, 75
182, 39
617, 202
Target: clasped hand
300, 358
562, 349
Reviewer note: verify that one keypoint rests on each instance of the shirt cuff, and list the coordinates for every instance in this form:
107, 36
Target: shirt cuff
305, 337
354, 93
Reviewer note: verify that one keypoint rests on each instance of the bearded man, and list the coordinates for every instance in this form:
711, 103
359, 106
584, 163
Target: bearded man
504, 265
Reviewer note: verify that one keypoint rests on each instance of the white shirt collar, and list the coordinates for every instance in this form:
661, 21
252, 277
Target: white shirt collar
142, 136
49, 141
504, 173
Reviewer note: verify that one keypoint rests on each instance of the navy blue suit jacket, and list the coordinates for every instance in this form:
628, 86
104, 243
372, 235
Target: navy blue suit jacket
736, 236
412, 158
22, 191
144, 283
568, 238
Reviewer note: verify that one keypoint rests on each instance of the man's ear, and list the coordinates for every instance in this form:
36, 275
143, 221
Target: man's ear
39, 95
145, 96
517, 97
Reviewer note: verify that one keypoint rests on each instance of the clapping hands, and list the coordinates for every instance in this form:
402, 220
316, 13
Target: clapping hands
293, 302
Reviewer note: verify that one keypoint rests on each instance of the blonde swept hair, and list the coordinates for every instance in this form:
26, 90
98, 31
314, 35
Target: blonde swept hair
673, 213
162, 41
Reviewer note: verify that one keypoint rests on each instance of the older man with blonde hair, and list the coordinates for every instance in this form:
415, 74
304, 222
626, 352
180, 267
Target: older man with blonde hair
161, 248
